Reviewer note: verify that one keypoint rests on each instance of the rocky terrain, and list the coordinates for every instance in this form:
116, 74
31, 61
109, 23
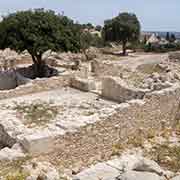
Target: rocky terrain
108, 118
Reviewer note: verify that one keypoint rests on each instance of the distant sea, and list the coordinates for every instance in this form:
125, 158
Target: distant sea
163, 34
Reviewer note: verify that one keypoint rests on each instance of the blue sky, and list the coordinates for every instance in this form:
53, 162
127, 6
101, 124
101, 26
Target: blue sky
158, 15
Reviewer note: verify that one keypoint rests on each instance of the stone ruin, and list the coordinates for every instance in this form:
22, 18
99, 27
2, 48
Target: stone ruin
95, 110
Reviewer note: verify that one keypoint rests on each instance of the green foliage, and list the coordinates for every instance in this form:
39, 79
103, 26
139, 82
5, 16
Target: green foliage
123, 28
98, 28
87, 26
38, 31
162, 48
87, 39
97, 41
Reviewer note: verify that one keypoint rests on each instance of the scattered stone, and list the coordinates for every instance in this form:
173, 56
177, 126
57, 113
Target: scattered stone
176, 178
42, 171
99, 171
148, 166
134, 175
7, 154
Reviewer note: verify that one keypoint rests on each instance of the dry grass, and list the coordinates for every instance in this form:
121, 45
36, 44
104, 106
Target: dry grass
17, 176
37, 113
167, 156
165, 153
135, 79
12, 170
150, 68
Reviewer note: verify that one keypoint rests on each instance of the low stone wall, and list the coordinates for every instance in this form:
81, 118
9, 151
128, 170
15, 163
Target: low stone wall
8, 80
95, 141
37, 85
83, 84
116, 89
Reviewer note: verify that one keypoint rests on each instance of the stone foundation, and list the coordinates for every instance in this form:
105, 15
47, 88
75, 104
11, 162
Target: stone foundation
116, 89
37, 85
75, 140
96, 139
83, 84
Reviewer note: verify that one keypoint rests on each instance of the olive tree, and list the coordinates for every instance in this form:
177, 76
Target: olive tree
122, 29
37, 31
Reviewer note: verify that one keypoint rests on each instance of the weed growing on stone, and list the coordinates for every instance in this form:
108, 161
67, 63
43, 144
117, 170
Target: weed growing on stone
17, 176
12, 170
167, 156
36, 113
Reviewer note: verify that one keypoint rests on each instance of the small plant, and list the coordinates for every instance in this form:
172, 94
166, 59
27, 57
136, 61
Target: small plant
167, 156
151, 133
13, 170
117, 149
39, 113
136, 141
17, 176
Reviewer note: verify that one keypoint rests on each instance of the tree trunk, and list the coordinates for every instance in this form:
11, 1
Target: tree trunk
39, 66
124, 48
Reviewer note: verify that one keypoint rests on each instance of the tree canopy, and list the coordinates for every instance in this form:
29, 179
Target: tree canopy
123, 28
38, 31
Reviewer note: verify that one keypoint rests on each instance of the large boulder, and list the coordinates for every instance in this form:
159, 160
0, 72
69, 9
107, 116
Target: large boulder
8, 80
11, 79
97, 172
83, 84
7, 154
148, 166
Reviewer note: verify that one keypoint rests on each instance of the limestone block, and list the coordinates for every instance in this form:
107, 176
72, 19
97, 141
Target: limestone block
115, 88
99, 171
148, 166
41, 170
7, 80
7, 154
134, 175
83, 84
38, 143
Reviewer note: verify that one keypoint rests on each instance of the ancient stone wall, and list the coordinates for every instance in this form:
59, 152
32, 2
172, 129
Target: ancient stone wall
136, 116
37, 85
8, 80
117, 89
